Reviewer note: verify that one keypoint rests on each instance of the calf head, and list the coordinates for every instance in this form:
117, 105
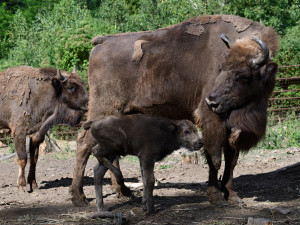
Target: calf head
189, 135
246, 76
70, 89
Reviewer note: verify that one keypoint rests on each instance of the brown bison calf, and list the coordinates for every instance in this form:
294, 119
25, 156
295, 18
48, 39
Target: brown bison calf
149, 138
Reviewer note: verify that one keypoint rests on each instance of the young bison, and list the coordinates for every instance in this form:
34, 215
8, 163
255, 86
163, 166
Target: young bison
147, 137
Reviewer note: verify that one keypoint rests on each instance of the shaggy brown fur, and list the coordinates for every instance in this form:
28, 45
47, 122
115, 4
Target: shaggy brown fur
32, 101
184, 69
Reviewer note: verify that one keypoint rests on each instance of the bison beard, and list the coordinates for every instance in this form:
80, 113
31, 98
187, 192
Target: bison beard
183, 72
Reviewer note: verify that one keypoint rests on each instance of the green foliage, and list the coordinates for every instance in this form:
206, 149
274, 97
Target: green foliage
279, 14
10, 142
60, 38
289, 53
282, 134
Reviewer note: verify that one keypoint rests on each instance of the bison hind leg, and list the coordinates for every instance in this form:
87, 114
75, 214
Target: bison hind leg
35, 142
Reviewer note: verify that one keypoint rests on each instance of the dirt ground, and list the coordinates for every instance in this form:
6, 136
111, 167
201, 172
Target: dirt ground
263, 179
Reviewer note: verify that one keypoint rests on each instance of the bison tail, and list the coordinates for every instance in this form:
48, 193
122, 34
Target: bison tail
87, 125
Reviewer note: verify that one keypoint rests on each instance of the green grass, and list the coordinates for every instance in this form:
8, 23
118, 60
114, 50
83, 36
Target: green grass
281, 133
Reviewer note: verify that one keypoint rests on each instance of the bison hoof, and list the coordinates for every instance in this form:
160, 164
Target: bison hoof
215, 196
22, 188
80, 202
236, 200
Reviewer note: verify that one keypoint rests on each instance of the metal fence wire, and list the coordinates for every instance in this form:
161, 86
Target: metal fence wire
286, 95
284, 101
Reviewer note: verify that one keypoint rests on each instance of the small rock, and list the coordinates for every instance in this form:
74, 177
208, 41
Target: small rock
259, 221
284, 211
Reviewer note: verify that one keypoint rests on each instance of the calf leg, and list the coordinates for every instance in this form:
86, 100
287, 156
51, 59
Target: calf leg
113, 141
231, 158
19, 140
116, 172
85, 142
147, 167
99, 172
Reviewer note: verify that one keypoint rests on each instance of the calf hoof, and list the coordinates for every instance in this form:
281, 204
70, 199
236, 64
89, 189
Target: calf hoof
122, 191
149, 210
215, 196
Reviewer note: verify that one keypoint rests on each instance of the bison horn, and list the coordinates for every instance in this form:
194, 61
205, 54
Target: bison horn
226, 40
264, 55
74, 69
61, 77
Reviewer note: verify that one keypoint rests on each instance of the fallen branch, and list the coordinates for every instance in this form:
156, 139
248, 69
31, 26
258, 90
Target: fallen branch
5, 157
106, 214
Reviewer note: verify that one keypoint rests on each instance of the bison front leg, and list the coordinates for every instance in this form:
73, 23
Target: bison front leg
85, 142
20, 146
213, 192
231, 157
147, 167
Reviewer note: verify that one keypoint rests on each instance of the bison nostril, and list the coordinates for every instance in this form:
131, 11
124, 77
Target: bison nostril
212, 104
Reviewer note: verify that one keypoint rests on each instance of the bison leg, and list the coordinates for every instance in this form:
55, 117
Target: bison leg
85, 142
21, 160
35, 142
213, 192
99, 172
147, 167
231, 157
115, 172
112, 141
118, 186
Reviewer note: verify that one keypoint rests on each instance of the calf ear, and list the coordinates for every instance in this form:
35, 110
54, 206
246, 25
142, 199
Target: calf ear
57, 86
173, 128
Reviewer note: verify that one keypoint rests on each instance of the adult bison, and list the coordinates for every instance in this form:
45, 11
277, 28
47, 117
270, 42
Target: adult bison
32, 101
183, 72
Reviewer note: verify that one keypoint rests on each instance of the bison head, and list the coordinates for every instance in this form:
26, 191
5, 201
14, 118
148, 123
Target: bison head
188, 135
246, 76
70, 89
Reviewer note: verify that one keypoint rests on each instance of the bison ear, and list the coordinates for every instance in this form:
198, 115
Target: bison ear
56, 83
269, 76
272, 68
173, 128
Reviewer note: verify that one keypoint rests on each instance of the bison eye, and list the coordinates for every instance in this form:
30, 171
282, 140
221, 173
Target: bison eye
187, 132
71, 89
244, 77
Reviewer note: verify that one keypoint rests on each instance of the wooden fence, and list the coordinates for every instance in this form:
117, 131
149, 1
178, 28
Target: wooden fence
279, 105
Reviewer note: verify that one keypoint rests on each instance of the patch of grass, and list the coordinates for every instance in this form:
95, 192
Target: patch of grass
130, 158
281, 133
163, 167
